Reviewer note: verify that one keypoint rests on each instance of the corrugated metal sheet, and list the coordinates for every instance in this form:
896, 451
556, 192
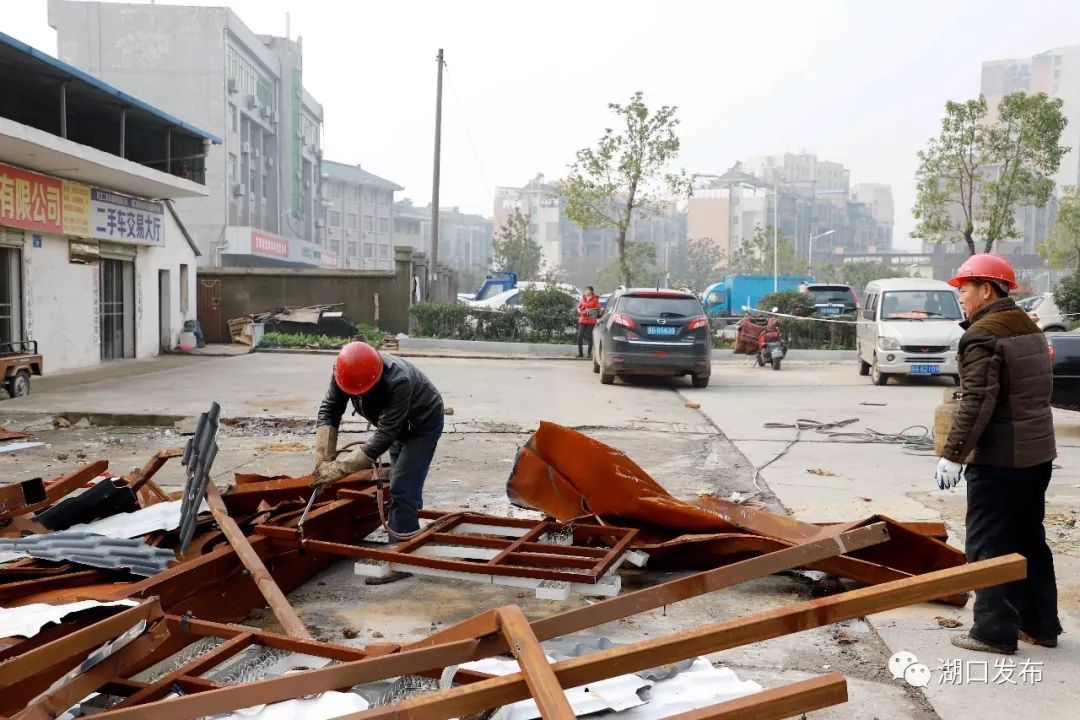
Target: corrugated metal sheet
94, 550
160, 516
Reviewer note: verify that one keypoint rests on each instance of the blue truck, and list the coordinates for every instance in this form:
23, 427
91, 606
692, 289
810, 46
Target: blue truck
727, 297
495, 283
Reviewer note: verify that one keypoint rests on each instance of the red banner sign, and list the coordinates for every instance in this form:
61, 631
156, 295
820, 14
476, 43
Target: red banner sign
30, 201
263, 244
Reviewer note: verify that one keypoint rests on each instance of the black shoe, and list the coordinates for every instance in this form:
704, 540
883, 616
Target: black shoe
970, 643
1049, 641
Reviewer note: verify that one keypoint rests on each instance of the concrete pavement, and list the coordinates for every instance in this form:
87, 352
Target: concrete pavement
851, 481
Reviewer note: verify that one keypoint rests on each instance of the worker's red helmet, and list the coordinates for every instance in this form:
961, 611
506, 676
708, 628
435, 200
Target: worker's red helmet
357, 368
986, 266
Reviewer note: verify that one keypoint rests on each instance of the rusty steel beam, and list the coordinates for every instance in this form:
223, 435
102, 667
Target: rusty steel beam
543, 685
782, 702
715, 637
287, 687
672, 591
22, 495
246, 497
276, 599
56, 700
42, 658
64, 486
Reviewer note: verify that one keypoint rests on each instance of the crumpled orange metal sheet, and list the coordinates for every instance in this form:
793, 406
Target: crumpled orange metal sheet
567, 475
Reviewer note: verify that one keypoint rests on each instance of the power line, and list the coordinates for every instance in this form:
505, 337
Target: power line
468, 134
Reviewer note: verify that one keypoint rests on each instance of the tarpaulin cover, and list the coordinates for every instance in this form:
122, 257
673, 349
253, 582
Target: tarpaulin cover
568, 475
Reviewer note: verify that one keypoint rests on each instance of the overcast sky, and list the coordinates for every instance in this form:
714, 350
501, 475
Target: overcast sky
862, 83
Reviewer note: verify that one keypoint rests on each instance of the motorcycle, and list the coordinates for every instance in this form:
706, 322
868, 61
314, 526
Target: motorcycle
771, 347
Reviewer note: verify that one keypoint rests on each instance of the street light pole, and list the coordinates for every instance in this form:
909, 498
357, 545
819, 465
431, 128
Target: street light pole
810, 254
775, 224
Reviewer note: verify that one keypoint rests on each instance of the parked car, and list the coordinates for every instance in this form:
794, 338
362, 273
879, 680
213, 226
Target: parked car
514, 296
908, 326
653, 332
1044, 311
833, 299
1065, 352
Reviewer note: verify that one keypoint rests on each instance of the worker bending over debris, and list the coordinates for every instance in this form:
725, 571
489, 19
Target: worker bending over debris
407, 413
1004, 432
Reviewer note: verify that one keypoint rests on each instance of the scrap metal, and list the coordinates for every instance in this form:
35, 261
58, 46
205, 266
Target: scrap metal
199, 454
94, 550
61, 487
21, 496
567, 475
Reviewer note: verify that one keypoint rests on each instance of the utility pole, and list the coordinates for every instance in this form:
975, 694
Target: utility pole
433, 260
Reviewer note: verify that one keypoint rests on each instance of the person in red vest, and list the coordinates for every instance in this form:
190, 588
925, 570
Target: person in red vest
588, 309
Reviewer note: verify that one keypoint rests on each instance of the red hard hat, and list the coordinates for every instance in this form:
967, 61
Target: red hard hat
357, 368
986, 266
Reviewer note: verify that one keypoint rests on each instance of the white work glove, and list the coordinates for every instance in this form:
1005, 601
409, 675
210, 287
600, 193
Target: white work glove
949, 474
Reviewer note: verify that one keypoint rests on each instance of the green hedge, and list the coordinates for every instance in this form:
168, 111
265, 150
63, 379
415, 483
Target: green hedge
366, 333
537, 320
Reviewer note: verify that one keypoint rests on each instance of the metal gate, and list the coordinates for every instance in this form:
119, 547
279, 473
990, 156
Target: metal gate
211, 312
117, 326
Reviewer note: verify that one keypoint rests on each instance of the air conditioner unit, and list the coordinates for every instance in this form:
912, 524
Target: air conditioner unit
245, 148
269, 161
234, 87
307, 183
255, 151
251, 197
319, 223
238, 189
273, 117
253, 102
264, 111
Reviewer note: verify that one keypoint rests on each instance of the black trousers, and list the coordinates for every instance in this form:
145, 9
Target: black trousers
584, 332
1005, 508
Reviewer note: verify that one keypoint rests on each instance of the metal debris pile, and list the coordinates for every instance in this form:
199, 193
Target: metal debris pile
125, 604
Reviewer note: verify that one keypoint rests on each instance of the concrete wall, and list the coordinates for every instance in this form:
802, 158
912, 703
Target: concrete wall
252, 290
61, 299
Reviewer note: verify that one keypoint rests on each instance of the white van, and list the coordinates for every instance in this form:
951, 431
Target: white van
908, 326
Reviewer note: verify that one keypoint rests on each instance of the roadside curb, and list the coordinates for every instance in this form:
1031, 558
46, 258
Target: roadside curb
427, 354
36, 421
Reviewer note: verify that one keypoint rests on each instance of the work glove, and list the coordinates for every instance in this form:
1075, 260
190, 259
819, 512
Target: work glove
333, 470
325, 444
949, 474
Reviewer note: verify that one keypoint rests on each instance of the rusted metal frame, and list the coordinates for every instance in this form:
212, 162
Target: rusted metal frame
617, 550
707, 639
478, 518
196, 667
287, 687
287, 537
193, 685
777, 703
246, 497
156, 463
669, 592
930, 529
275, 599
57, 700
42, 658
515, 546
206, 628
58, 489
19, 496
429, 532
122, 688
493, 543
543, 685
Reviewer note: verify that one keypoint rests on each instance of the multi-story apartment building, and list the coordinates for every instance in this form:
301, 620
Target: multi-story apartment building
357, 228
466, 240
205, 64
409, 224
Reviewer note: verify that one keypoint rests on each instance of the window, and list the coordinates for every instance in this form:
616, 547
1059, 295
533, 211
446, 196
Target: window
232, 167
232, 117
384, 225
920, 305
384, 251
369, 223
266, 186
184, 289
1057, 73
369, 250
333, 218
384, 199
351, 220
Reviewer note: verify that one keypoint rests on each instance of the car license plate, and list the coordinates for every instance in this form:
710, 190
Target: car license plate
830, 311
661, 330
925, 369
